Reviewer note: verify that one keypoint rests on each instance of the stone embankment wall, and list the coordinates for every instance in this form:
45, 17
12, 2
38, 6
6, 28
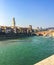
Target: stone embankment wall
47, 61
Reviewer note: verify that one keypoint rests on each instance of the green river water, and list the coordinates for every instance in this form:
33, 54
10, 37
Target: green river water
25, 51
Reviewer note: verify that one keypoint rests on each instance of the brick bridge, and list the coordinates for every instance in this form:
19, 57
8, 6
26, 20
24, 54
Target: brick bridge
46, 33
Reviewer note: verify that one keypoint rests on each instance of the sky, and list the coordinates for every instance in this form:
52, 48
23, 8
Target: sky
38, 13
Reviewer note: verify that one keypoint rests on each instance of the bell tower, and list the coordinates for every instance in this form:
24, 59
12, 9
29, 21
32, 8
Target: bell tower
13, 22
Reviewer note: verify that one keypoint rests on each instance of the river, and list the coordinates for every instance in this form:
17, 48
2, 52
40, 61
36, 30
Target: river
25, 51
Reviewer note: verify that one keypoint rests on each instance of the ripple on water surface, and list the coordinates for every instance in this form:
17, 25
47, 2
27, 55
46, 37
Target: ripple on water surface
25, 51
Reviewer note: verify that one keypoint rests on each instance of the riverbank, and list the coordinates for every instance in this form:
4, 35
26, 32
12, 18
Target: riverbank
14, 36
47, 61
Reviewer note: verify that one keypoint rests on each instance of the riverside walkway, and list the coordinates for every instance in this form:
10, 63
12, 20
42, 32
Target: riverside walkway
47, 61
